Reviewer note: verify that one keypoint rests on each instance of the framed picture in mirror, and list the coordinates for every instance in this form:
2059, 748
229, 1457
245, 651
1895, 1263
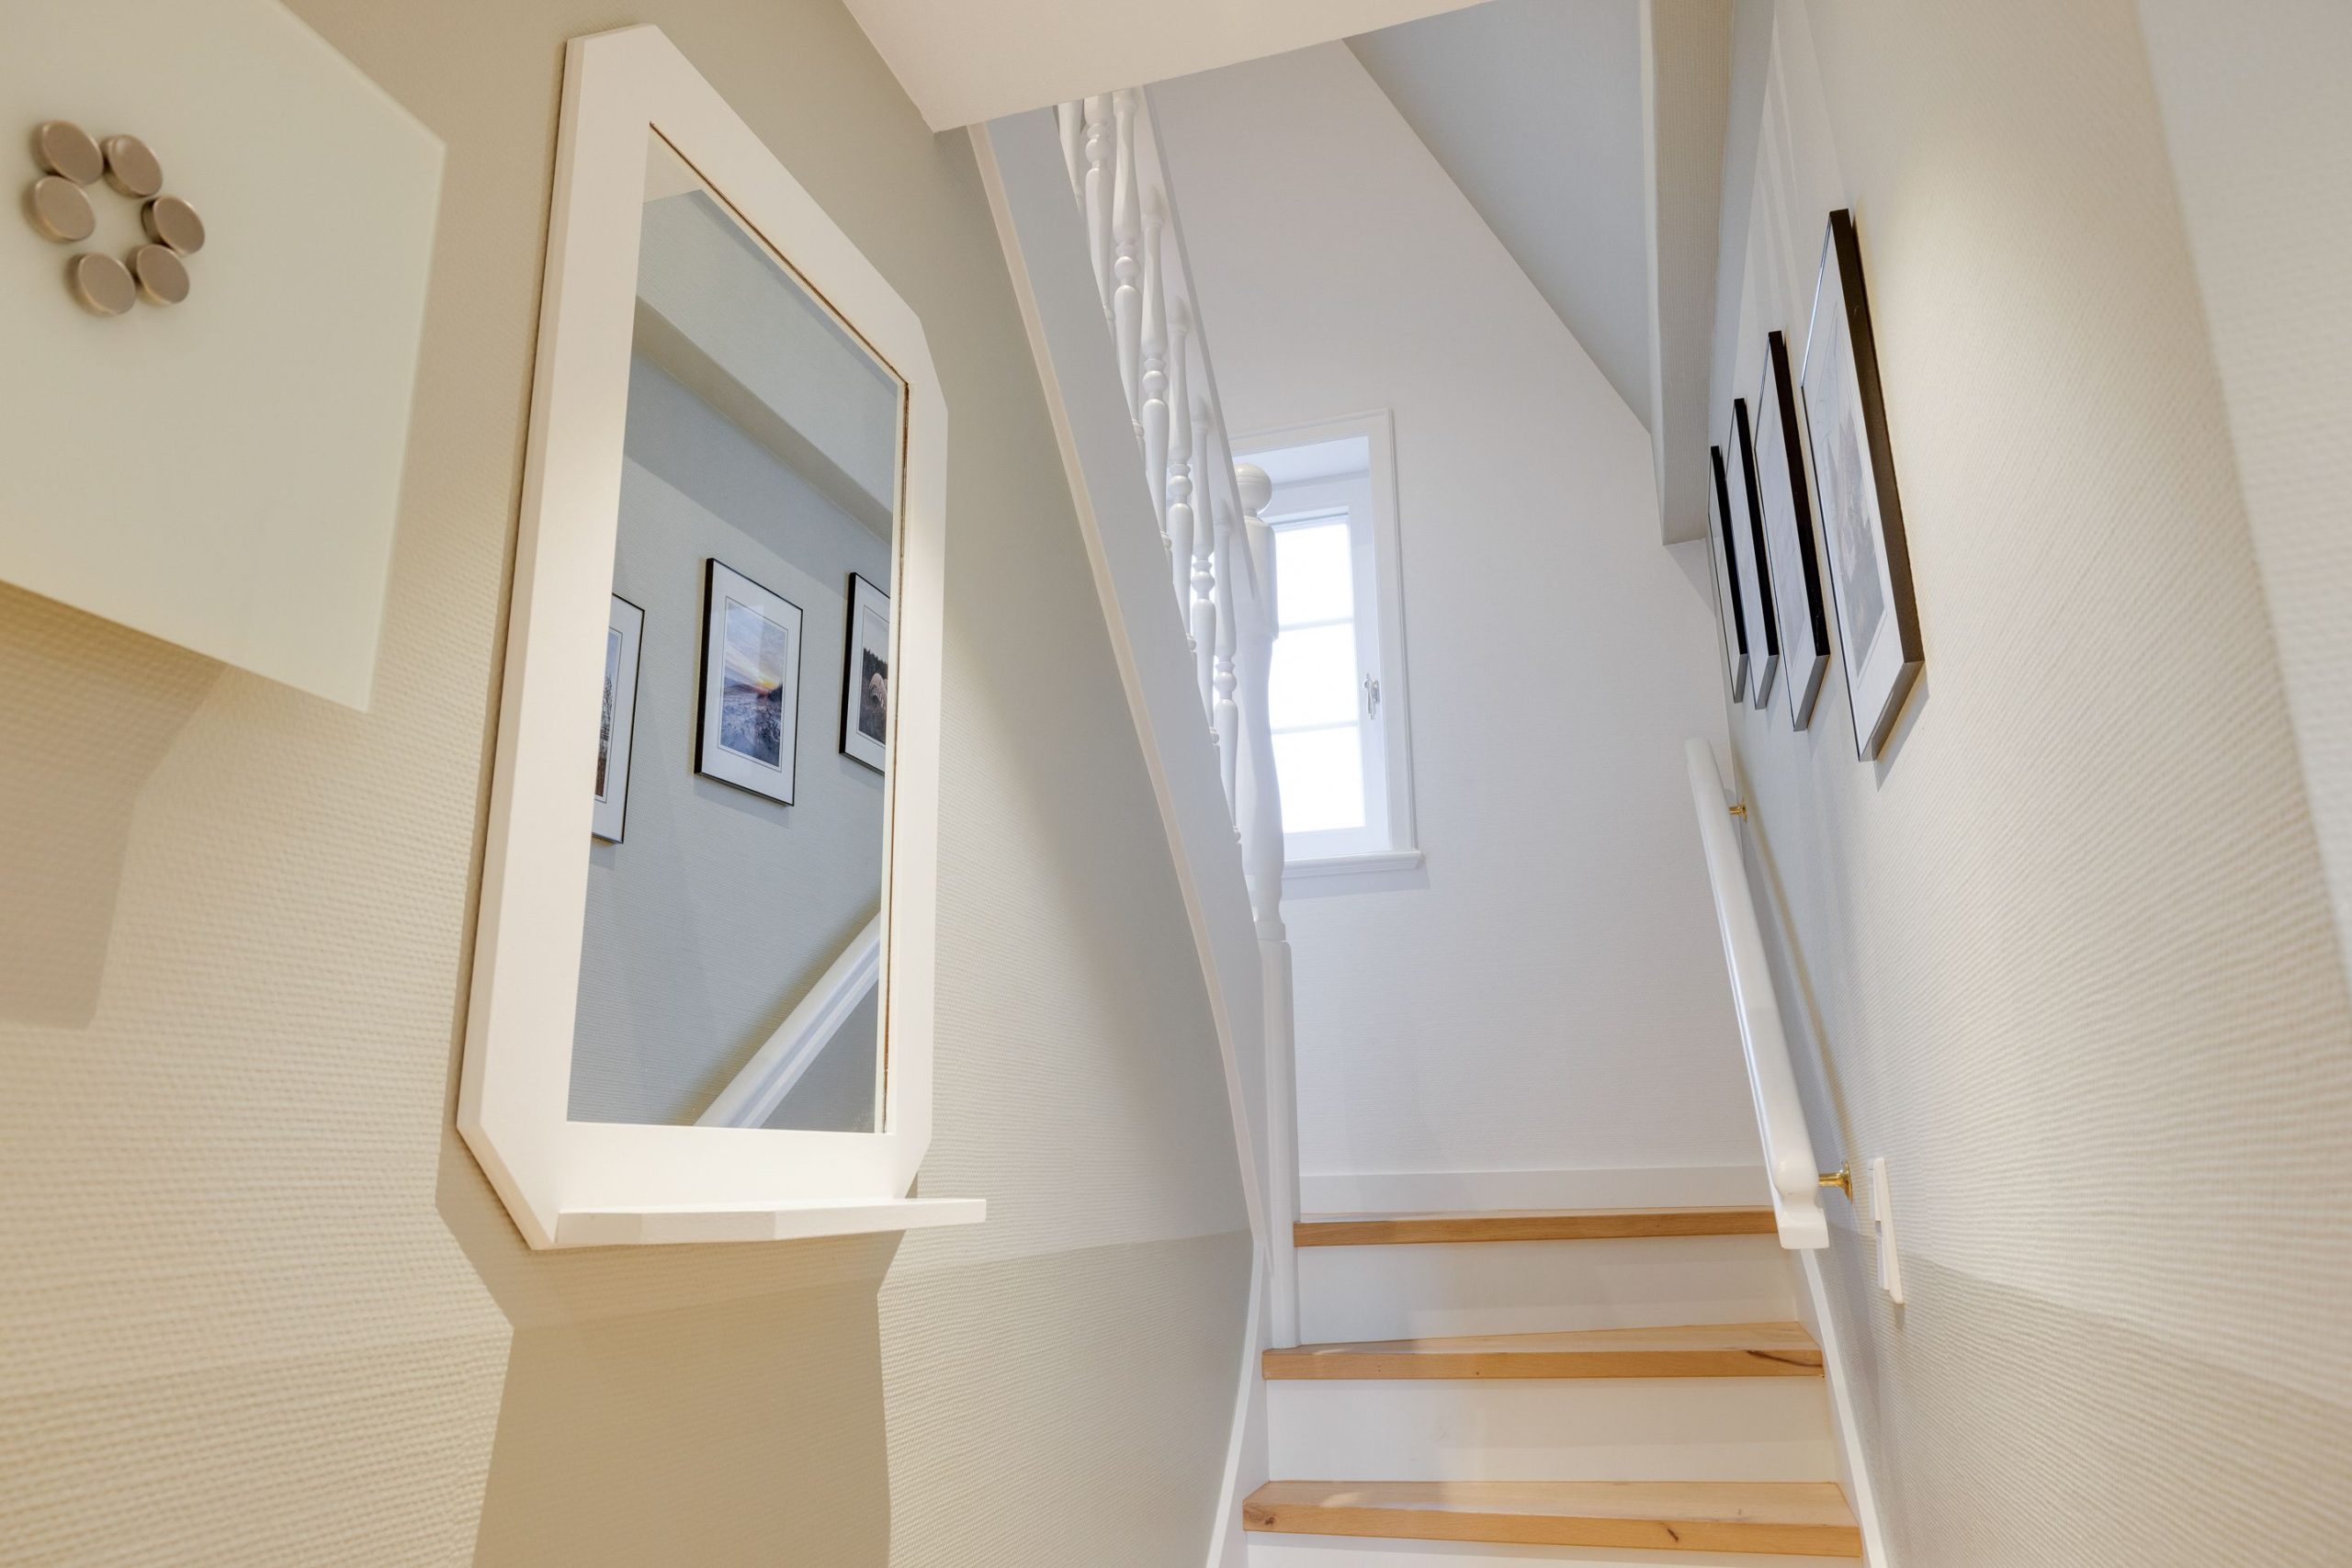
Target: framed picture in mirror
866, 677
749, 712
737, 434
623, 635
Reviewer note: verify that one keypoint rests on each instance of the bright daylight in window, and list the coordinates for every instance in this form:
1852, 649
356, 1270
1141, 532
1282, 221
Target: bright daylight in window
1336, 696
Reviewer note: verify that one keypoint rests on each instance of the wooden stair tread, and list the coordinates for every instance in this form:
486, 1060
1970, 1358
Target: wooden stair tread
1528, 1225
1700, 1351
1785, 1518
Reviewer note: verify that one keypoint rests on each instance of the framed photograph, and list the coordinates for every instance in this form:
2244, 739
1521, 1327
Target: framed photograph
1756, 579
622, 636
1788, 536
1729, 613
1853, 474
865, 676
748, 723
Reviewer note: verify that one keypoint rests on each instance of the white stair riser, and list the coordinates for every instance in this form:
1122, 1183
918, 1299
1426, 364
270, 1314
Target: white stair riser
1342, 1551
1435, 1290
1551, 1429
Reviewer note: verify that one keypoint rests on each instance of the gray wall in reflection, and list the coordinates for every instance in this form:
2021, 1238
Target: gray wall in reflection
710, 920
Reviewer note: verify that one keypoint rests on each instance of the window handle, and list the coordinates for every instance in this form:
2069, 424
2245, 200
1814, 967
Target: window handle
1372, 696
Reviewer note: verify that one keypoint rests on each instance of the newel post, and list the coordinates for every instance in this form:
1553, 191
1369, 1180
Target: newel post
1257, 602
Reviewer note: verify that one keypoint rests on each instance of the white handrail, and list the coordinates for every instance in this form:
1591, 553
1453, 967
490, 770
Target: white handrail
1779, 1114
752, 1095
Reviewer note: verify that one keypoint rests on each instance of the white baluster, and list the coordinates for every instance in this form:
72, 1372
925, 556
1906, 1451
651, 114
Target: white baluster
1098, 192
1152, 383
1069, 118
1203, 616
1231, 589
1126, 262
1260, 794
1176, 524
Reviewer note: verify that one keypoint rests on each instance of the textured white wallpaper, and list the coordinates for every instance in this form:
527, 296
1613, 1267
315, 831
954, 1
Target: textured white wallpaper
2063, 954
258, 1307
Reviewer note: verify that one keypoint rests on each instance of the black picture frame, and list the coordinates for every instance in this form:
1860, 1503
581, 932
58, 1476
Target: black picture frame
1760, 673
858, 743
1731, 616
1865, 548
1786, 493
747, 732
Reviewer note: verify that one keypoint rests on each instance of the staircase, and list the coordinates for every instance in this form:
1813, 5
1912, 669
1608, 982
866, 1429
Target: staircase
1441, 1390
1546, 1387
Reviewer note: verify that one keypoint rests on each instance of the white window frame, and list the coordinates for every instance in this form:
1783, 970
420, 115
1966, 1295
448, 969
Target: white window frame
1339, 853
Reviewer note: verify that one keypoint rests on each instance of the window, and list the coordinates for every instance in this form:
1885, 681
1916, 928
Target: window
1336, 693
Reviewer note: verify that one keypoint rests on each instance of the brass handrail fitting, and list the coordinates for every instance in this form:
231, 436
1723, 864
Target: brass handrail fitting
1740, 810
1841, 1178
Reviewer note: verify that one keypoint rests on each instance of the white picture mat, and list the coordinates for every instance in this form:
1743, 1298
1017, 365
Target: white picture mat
870, 630
735, 608
625, 640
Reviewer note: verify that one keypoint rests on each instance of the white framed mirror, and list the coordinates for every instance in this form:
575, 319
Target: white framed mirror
702, 987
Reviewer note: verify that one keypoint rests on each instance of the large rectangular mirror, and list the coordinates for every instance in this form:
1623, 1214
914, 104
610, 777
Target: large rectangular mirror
729, 955
704, 966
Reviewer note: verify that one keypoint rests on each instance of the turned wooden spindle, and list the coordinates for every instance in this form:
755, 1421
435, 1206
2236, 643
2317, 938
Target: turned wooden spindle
1152, 387
1098, 192
1176, 521
1126, 257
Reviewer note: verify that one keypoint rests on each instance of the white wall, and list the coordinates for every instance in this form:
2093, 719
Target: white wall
1546, 995
2259, 125
2063, 956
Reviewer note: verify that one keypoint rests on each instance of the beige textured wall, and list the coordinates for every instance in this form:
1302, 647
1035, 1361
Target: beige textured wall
2064, 955
257, 1306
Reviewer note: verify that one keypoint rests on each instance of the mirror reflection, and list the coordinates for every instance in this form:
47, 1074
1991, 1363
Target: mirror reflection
732, 956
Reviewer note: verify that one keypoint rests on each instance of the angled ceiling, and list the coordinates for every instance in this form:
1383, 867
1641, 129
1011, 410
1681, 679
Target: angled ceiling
963, 62
1534, 108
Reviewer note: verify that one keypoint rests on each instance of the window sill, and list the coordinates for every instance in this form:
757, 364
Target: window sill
1375, 864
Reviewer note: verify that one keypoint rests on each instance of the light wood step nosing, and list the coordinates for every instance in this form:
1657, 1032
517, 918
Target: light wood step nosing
1767, 1518
1698, 1350
1589, 1225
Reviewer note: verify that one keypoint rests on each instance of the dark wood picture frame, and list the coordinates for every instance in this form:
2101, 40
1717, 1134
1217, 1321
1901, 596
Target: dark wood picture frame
873, 752
1759, 603
1786, 496
1869, 556
1731, 616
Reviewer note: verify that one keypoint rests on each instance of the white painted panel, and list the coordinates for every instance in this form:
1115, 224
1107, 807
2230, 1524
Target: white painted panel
1548, 1428
222, 473
1533, 1287
1338, 1552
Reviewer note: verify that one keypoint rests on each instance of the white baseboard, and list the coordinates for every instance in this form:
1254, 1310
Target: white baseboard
1853, 1468
1631, 1187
